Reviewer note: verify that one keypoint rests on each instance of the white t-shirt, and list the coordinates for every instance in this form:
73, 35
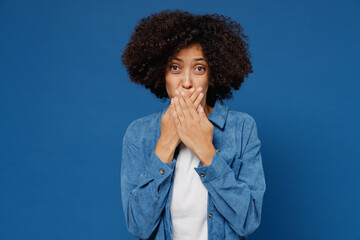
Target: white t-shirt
188, 204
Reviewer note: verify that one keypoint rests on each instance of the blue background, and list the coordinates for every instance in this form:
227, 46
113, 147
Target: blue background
66, 100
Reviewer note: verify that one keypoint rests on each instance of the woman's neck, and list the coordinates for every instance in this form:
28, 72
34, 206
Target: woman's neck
208, 110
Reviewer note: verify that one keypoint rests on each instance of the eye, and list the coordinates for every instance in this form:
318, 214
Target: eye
174, 67
201, 68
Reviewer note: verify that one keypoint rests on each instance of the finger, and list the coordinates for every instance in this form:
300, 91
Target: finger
190, 106
198, 100
191, 92
175, 117
184, 106
179, 111
172, 105
202, 112
195, 94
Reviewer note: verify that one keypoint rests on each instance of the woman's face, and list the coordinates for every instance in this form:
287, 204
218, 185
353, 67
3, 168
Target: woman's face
187, 70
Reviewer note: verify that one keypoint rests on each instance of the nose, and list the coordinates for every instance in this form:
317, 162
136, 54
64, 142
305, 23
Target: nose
187, 80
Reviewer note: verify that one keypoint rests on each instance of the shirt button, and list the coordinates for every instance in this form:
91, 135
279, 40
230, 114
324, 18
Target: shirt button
162, 172
203, 175
210, 215
218, 150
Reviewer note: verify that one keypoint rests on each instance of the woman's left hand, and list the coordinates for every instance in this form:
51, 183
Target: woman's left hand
194, 128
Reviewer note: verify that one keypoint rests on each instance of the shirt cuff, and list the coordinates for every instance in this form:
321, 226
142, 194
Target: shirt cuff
217, 168
158, 169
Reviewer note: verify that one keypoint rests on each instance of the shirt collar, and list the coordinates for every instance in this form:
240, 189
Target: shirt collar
218, 115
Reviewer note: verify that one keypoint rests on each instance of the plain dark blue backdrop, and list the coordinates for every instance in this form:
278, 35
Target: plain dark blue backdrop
66, 100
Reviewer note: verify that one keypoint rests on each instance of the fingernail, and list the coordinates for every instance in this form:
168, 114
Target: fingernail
176, 92
182, 93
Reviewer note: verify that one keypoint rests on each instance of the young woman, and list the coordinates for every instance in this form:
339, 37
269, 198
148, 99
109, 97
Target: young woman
193, 170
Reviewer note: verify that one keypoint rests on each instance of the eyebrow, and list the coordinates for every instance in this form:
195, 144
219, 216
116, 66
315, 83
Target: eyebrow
196, 59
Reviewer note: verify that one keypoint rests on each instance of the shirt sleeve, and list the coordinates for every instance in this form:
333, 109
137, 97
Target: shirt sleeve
145, 185
238, 197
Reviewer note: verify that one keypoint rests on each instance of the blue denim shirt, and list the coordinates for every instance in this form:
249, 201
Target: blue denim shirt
235, 179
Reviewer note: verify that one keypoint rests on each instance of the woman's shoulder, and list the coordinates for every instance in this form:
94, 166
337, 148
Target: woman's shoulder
144, 125
240, 117
244, 123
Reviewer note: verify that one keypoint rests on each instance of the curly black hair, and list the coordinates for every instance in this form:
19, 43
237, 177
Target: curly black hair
162, 35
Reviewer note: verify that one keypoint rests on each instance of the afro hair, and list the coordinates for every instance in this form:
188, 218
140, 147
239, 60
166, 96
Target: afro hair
162, 35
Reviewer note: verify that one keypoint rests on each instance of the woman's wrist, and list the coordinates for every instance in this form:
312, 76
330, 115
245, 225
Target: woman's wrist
165, 148
206, 154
